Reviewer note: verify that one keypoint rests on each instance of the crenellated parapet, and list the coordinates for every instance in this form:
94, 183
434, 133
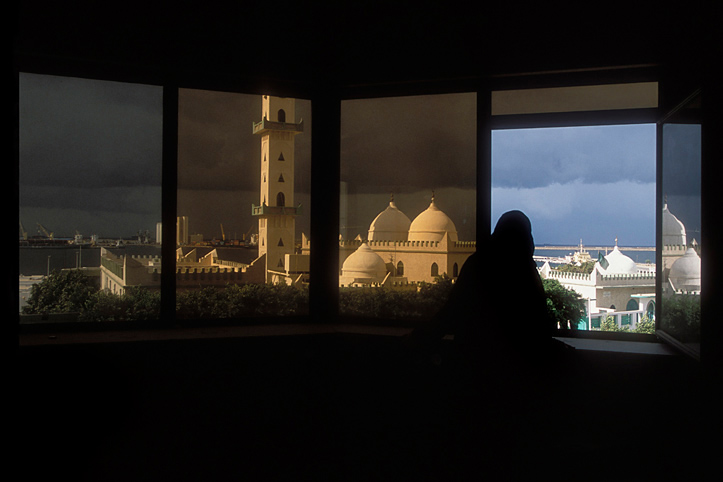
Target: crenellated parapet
643, 275
569, 275
418, 244
380, 244
206, 269
464, 244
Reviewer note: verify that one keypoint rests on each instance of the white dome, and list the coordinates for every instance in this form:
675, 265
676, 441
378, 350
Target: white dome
673, 229
618, 263
431, 225
390, 225
364, 263
685, 272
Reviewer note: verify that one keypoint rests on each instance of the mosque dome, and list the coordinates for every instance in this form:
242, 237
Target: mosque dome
618, 263
390, 225
431, 225
673, 229
685, 272
364, 263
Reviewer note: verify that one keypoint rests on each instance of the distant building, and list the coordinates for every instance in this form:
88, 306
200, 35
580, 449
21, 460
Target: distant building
625, 291
181, 230
205, 266
620, 290
159, 233
130, 266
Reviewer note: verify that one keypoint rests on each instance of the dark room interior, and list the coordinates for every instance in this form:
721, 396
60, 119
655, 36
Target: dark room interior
326, 397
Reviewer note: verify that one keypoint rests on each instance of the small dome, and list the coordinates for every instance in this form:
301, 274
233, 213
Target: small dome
390, 225
673, 229
431, 225
364, 263
685, 272
618, 263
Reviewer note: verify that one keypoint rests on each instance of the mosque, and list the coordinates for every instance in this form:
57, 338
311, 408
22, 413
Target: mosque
400, 253
620, 288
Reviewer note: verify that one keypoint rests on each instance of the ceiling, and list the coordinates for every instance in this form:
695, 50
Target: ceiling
351, 43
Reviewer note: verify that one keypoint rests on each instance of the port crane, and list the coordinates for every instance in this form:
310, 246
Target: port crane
47, 233
248, 233
223, 235
23, 232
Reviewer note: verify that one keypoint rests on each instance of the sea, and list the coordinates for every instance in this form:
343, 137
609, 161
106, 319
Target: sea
641, 255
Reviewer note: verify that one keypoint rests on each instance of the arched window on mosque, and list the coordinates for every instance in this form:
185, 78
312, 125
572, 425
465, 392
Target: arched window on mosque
435, 269
455, 270
650, 310
280, 199
282, 115
632, 305
400, 269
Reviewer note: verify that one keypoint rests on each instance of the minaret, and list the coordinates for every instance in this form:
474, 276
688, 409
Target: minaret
276, 210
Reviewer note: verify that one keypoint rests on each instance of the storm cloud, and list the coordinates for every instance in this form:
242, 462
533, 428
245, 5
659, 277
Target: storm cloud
81, 133
90, 155
593, 183
417, 142
90, 160
540, 157
216, 146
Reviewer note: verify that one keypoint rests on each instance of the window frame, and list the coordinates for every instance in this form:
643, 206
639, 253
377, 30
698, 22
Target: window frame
665, 117
325, 168
648, 115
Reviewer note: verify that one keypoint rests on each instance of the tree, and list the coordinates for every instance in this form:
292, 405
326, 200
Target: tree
609, 324
389, 303
564, 306
237, 301
681, 316
585, 267
136, 303
60, 292
645, 325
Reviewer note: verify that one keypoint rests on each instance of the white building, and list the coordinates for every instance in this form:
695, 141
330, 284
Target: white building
626, 291
620, 290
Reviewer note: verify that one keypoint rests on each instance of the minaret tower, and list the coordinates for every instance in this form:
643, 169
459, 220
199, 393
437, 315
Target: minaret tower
276, 210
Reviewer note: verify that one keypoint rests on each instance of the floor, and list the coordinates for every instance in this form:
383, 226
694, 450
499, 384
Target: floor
353, 407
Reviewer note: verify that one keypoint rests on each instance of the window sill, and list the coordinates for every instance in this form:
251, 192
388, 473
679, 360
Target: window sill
618, 346
209, 332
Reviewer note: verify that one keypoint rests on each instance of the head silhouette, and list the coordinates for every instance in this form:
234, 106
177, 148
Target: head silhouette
513, 235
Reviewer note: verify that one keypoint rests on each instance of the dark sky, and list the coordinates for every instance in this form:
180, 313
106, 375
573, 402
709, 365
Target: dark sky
219, 162
592, 183
90, 156
90, 160
409, 146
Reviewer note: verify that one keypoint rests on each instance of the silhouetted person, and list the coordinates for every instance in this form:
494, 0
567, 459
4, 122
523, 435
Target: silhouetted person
497, 307
504, 390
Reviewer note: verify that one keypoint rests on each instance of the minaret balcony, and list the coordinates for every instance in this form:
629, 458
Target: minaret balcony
265, 210
266, 125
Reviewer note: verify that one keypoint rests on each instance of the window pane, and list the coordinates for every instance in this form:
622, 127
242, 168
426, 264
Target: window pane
408, 197
243, 191
590, 195
90, 198
575, 99
681, 251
